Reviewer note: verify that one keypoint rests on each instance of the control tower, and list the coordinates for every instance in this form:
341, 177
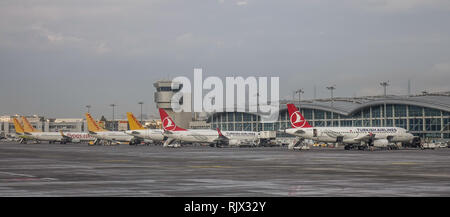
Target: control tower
163, 96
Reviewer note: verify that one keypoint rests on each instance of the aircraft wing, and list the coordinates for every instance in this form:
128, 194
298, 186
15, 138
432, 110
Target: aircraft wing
64, 136
366, 137
221, 137
167, 132
299, 131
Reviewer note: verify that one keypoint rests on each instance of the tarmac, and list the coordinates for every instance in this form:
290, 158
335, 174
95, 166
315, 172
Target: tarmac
69, 170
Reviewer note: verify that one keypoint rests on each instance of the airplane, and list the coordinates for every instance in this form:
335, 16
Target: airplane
352, 137
52, 137
39, 136
212, 137
142, 133
20, 132
103, 134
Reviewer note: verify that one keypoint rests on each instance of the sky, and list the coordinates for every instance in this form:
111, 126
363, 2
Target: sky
56, 56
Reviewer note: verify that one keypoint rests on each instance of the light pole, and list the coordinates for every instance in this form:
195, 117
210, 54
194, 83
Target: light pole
114, 125
384, 84
88, 107
141, 103
332, 88
299, 92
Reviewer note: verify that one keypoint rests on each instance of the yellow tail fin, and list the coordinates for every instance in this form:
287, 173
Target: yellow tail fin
134, 124
28, 128
18, 126
92, 125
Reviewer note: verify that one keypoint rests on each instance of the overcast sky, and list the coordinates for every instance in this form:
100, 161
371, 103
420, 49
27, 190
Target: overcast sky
58, 56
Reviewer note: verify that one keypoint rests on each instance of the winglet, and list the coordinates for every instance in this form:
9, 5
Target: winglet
296, 118
133, 122
28, 128
167, 122
62, 134
92, 125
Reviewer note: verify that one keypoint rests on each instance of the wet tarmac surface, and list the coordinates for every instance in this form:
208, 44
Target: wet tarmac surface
122, 170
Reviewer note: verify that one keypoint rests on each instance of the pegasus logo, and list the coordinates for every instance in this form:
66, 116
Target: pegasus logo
168, 124
296, 120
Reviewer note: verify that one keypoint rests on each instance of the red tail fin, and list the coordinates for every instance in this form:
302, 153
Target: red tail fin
168, 123
220, 133
296, 118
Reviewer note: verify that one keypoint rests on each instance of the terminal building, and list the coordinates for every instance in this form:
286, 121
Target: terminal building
426, 115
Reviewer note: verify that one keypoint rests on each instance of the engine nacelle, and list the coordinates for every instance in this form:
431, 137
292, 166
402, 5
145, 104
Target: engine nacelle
381, 143
234, 142
136, 141
66, 140
76, 140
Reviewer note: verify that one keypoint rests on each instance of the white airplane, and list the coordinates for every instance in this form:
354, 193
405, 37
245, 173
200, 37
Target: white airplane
20, 132
212, 137
103, 134
53, 137
360, 137
143, 134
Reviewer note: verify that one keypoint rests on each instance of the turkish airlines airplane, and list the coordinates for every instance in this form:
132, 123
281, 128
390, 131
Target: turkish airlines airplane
53, 137
138, 131
360, 137
103, 134
212, 137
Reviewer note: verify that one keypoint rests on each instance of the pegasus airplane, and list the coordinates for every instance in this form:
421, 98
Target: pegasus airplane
20, 132
360, 137
138, 131
212, 137
103, 134
38, 135
53, 137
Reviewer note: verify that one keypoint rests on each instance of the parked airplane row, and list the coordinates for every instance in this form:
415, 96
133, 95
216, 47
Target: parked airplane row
172, 135
352, 137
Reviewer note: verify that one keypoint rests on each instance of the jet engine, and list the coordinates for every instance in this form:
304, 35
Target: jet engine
76, 140
234, 142
381, 143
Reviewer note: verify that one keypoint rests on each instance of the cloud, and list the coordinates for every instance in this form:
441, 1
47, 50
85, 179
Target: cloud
399, 5
65, 40
442, 68
241, 3
185, 38
55, 37
102, 48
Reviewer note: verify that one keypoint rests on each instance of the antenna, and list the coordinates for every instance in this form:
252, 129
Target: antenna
409, 87
315, 92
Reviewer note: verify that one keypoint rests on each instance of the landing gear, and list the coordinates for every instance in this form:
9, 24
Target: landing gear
168, 142
135, 141
96, 142
362, 147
